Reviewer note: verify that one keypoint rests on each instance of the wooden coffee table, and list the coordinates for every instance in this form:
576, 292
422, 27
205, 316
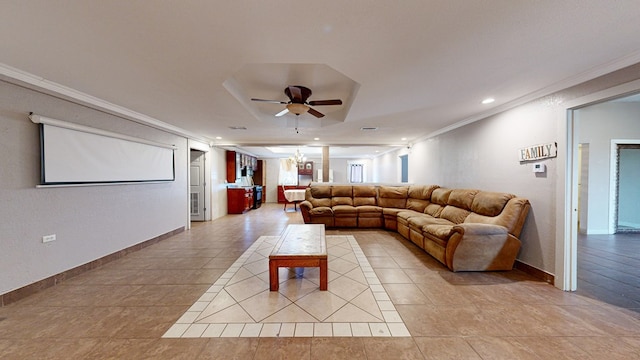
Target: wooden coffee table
301, 245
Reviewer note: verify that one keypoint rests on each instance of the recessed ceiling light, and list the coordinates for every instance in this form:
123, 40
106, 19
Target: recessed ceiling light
488, 101
316, 139
403, 139
218, 138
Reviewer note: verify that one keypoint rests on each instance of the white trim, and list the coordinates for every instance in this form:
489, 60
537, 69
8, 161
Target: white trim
567, 184
37, 119
613, 180
34, 82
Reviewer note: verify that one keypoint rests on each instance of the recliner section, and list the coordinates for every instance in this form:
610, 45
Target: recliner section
465, 229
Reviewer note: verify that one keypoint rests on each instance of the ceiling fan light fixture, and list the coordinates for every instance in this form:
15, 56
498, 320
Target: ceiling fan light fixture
297, 108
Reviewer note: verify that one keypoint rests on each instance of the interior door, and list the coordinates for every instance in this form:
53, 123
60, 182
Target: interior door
197, 185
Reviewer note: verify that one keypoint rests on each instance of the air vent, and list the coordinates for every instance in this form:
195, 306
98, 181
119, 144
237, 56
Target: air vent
237, 128
368, 128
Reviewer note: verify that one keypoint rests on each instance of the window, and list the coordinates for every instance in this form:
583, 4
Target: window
288, 174
356, 173
404, 168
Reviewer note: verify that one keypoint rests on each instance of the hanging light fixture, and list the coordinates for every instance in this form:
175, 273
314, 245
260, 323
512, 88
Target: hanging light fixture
297, 108
297, 157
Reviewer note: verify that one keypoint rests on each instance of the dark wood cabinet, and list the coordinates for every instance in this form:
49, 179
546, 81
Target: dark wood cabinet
305, 168
239, 200
239, 164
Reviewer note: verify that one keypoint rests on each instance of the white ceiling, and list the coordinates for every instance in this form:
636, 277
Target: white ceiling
409, 68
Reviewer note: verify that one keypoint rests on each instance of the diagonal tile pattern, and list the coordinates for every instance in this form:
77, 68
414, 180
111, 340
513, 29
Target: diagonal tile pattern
239, 303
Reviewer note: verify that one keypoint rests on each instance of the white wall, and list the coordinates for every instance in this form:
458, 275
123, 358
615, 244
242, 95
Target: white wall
484, 155
218, 182
89, 222
598, 125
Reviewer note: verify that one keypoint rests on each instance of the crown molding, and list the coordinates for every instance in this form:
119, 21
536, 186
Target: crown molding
40, 84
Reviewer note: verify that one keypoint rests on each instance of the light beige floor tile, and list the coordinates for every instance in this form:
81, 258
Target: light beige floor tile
321, 304
291, 314
264, 304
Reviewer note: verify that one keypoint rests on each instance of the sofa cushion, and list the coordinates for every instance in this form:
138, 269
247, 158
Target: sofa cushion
392, 196
433, 209
321, 211
341, 195
368, 210
418, 222
454, 214
462, 198
440, 196
439, 233
342, 191
419, 197
490, 203
407, 214
364, 195
319, 196
344, 210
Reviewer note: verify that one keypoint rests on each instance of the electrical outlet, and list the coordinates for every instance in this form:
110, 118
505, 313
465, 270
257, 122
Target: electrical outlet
48, 238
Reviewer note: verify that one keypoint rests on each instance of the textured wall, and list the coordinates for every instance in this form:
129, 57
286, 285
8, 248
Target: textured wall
89, 221
484, 155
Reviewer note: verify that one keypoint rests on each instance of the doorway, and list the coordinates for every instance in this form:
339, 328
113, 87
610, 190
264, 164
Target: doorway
197, 186
627, 194
600, 188
404, 168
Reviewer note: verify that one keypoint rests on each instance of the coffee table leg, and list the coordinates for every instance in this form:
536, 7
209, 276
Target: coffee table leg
323, 274
274, 281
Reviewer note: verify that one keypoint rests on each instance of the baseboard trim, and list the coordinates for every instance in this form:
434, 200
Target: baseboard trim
535, 272
23, 292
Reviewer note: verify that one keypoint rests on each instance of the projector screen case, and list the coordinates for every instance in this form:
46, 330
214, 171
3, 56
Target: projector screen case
75, 154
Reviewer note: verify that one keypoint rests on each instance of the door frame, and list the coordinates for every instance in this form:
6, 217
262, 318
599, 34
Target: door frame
566, 270
613, 181
196, 145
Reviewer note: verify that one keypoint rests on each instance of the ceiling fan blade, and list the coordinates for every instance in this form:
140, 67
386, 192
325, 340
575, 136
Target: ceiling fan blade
283, 112
270, 101
325, 102
315, 113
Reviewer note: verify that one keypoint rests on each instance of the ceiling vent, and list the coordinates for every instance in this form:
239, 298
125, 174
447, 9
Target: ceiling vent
237, 128
368, 128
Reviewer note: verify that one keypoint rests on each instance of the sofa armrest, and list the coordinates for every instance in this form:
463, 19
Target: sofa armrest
305, 207
481, 247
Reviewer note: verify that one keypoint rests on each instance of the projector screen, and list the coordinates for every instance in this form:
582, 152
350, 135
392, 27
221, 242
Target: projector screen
73, 154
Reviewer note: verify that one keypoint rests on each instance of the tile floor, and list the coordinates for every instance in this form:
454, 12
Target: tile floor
239, 303
123, 309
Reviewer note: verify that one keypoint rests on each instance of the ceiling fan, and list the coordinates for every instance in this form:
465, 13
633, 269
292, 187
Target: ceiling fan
298, 104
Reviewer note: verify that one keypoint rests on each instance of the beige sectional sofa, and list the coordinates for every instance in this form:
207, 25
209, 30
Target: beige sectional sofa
465, 229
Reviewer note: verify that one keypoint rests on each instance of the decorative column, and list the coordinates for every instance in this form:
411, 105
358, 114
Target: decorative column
325, 163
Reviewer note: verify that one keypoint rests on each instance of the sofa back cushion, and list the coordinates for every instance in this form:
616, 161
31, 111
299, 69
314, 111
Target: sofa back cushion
490, 203
319, 196
512, 216
419, 197
454, 214
341, 195
440, 196
462, 198
392, 196
364, 195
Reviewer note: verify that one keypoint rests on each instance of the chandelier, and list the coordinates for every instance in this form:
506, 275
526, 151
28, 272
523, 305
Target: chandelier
297, 157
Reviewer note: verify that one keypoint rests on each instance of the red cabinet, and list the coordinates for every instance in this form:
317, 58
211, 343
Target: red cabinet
239, 200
